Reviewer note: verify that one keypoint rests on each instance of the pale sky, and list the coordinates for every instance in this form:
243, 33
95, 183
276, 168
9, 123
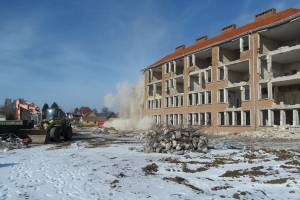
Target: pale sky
74, 52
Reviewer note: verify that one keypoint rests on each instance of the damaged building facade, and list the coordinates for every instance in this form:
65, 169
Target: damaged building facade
245, 79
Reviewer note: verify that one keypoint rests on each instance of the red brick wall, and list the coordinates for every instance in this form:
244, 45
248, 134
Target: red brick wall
253, 104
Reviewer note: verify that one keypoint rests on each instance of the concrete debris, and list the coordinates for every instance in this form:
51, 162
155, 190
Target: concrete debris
276, 132
101, 130
10, 141
105, 130
176, 141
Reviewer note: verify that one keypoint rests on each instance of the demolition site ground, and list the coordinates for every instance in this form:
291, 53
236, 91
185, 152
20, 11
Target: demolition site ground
95, 165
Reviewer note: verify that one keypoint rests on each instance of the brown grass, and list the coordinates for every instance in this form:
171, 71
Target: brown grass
277, 181
150, 169
183, 181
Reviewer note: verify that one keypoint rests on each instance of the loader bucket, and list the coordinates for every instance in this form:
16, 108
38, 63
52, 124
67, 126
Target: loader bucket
36, 136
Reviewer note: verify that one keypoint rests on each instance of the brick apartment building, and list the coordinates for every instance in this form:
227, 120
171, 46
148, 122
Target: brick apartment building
245, 79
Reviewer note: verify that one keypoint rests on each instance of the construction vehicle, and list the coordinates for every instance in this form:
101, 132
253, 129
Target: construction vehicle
28, 111
50, 129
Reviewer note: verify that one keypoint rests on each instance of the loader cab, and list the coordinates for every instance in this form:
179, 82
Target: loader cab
52, 113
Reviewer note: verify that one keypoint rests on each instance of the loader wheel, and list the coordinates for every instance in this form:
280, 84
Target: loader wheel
68, 134
54, 134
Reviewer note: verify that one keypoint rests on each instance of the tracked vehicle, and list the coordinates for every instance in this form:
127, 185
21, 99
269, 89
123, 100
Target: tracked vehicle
51, 129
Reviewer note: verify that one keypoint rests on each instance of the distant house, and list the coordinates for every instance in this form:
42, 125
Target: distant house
84, 111
91, 120
2, 117
91, 114
69, 115
108, 115
76, 118
77, 115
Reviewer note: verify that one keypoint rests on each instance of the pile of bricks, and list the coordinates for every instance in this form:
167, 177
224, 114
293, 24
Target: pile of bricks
177, 141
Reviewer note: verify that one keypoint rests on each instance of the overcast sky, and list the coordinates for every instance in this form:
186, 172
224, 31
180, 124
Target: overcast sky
75, 52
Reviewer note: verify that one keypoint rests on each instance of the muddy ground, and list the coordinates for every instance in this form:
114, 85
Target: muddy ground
215, 141
96, 139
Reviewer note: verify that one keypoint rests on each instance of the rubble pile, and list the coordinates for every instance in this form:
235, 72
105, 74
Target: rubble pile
175, 141
10, 141
105, 130
101, 130
280, 132
276, 132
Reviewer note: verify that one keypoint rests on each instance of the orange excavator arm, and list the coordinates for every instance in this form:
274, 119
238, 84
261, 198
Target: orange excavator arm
34, 109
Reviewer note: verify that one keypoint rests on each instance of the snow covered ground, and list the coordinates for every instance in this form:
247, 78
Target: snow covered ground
113, 168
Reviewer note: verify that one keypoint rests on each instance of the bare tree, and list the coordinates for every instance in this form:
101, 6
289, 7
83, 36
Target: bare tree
9, 109
105, 110
95, 111
75, 111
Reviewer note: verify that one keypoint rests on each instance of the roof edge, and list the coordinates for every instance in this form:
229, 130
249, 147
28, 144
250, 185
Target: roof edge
282, 21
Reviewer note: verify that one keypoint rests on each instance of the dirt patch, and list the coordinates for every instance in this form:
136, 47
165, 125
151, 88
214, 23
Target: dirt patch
218, 162
95, 143
234, 173
277, 181
121, 175
170, 160
207, 165
283, 155
150, 169
238, 194
250, 156
225, 187
222, 161
114, 183
239, 173
187, 170
291, 169
183, 181
215, 163
176, 161
61, 145
293, 162
257, 168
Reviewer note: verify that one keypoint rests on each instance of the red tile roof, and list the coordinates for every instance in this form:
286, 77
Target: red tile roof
84, 111
238, 31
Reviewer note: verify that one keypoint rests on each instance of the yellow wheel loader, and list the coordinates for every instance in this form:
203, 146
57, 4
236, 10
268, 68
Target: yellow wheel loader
51, 129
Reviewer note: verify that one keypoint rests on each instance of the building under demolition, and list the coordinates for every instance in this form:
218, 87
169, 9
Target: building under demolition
245, 79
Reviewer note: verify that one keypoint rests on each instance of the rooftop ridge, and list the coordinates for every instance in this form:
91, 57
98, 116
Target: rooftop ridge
277, 17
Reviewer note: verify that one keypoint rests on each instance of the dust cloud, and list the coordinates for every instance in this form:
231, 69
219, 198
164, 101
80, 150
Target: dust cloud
130, 101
